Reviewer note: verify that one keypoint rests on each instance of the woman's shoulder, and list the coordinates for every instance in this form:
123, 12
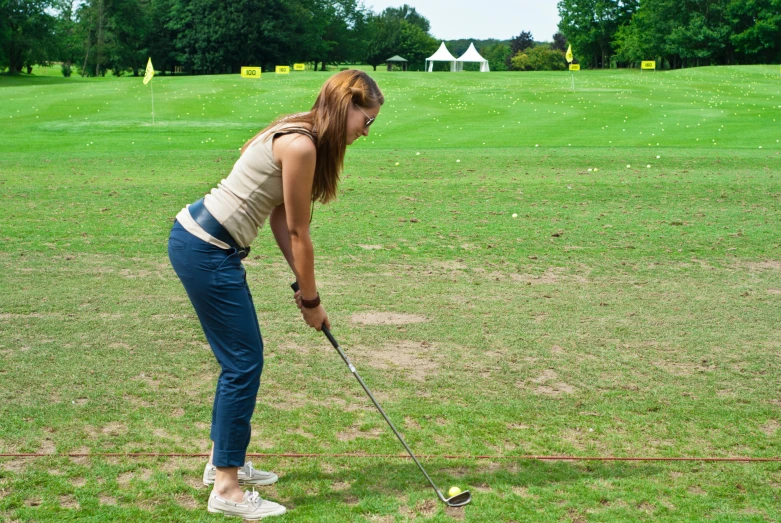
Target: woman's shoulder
293, 144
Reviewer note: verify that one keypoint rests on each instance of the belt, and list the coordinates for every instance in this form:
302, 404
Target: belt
209, 223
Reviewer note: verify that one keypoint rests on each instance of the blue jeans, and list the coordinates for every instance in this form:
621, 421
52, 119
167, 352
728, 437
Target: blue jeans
216, 282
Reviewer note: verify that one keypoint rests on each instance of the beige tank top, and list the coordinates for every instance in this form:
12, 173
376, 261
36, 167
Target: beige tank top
243, 201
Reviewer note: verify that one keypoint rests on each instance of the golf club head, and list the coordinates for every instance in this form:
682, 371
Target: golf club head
459, 500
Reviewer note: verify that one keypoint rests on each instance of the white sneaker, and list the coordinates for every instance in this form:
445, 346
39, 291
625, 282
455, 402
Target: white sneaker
248, 475
252, 507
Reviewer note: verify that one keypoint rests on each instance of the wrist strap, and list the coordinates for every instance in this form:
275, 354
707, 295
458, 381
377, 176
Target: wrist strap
311, 304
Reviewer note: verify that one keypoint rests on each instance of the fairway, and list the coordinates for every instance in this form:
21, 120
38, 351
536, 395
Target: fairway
631, 308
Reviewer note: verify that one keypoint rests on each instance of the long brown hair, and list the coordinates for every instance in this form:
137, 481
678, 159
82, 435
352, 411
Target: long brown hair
328, 119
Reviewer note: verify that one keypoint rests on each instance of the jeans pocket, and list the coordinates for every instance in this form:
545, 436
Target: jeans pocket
175, 244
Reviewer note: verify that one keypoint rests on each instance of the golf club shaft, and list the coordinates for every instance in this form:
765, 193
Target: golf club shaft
371, 396
352, 368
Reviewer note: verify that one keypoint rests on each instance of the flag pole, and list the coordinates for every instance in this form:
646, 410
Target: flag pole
152, 88
149, 73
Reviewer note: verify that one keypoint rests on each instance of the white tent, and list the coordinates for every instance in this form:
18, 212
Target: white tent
471, 55
442, 55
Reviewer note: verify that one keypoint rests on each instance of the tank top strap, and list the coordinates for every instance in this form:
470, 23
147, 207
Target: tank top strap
297, 130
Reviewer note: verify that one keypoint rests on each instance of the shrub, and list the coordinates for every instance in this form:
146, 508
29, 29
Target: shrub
66, 70
540, 58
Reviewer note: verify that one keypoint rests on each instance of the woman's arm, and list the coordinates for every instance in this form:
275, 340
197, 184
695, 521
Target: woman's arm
298, 155
278, 222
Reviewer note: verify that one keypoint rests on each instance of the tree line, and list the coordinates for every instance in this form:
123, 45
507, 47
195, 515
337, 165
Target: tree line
675, 33
93, 37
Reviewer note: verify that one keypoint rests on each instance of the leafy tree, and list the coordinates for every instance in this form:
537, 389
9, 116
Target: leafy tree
517, 45
68, 35
216, 37
410, 15
521, 42
26, 33
401, 31
539, 58
559, 42
756, 26
415, 45
459, 47
497, 56
383, 33
342, 28
160, 38
591, 25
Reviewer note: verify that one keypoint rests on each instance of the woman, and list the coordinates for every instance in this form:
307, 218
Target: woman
281, 172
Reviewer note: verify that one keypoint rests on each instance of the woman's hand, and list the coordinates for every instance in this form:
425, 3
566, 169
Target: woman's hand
315, 317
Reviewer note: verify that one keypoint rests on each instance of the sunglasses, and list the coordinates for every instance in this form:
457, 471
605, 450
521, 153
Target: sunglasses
369, 119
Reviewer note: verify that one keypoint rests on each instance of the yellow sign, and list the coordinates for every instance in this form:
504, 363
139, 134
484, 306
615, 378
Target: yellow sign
574, 67
648, 64
282, 69
299, 67
251, 72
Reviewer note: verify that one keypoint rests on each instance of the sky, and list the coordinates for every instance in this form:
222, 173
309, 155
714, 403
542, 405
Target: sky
482, 19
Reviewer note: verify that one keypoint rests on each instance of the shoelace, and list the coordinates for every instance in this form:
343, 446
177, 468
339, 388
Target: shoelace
250, 470
254, 498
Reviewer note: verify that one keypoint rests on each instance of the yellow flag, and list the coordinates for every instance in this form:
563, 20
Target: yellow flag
569, 53
150, 72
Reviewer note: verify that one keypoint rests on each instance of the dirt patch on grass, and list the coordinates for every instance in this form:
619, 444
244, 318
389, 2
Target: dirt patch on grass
38, 315
187, 502
458, 472
684, 369
15, 465
125, 478
153, 383
341, 485
767, 265
165, 435
523, 492
47, 447
545, 385
387, 318
78, 482
285, 400
408, 359
106, 500
455, 512
355, 432
69, 501
426, 508
80, 460
136, 401
302, 433
770, 428
114, 429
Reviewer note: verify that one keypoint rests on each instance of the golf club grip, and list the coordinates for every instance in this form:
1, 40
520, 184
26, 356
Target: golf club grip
330, 337
295, 288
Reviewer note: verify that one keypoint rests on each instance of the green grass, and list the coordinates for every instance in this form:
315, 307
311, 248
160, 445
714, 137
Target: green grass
628, 310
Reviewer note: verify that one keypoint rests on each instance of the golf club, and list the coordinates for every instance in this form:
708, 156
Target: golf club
459, 500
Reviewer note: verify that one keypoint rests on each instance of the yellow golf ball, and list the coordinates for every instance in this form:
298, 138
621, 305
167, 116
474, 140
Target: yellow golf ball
454, 491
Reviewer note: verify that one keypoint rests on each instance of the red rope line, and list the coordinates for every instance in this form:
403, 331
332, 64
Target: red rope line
391, 456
